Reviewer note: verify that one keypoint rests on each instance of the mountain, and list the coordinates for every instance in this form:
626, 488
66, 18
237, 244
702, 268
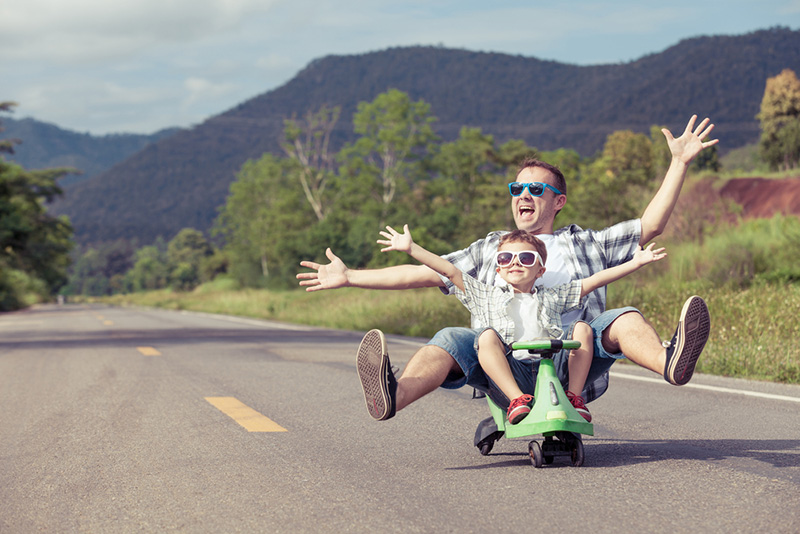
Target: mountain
180, 180
45, 145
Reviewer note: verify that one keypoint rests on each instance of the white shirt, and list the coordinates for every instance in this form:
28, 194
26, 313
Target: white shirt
523, 310
556, 273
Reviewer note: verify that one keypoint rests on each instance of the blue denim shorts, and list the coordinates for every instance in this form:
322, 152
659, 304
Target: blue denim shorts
461, 344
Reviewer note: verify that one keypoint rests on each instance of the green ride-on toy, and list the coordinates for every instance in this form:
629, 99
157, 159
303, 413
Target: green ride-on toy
552, 414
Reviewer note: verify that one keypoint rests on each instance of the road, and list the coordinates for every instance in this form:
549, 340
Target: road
127, 419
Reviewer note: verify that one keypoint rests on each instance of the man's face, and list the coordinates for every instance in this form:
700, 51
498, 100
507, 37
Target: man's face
536, 214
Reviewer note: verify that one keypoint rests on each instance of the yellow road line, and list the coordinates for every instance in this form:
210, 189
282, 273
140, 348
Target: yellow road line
108, 323
250, 419
148, 351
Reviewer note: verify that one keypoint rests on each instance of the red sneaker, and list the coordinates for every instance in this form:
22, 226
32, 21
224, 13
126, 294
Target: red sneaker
519, 408
580, 405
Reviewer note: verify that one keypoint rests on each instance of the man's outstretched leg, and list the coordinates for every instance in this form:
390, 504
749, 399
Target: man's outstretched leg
631, 335
383, 394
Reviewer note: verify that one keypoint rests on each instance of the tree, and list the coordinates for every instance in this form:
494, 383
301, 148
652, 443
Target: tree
780, 121
263, 217
150, 270
185, 254
101, 269
396, 136
615, 186
7, 145
31, 241
308, 143
467, 191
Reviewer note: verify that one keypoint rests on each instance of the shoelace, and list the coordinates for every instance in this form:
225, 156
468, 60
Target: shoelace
520, 401
576, 400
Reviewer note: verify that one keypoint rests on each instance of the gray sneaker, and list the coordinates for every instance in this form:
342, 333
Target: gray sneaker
377, 378
685, 347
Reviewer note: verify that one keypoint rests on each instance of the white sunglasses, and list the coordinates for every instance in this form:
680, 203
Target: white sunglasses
527, 258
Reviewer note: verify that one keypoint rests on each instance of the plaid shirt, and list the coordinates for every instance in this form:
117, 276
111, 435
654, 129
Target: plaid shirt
585, 252
491, 305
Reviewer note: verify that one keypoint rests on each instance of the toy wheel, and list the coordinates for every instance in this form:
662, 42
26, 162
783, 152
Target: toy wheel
535, 452
486, 447
577, 453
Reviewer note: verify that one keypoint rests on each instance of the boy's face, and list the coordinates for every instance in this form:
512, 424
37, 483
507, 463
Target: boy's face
520, 277
536, 214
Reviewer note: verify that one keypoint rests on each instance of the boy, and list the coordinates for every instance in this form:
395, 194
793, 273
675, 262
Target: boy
520, 311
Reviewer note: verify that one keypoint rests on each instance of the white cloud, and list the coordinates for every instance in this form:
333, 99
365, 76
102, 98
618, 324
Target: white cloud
274, 61
792, 7
141, 65
201, 89
90, 30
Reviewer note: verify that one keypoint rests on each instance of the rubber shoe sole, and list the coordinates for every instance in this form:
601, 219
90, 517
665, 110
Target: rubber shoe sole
584, 412
688, 342
518, 414
520, 410
373, 368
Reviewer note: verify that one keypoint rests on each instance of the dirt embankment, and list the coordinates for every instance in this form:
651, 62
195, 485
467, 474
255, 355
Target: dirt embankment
763, 197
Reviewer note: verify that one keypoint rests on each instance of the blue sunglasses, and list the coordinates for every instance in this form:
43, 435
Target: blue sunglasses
534, 188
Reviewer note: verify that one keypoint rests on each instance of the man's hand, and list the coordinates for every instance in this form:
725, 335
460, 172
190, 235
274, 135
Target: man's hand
689, 145
396, 241
331, 276
643, 256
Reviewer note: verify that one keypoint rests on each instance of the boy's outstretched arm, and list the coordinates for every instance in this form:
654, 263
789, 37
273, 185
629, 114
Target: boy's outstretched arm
640, 258
336, 274
403, 243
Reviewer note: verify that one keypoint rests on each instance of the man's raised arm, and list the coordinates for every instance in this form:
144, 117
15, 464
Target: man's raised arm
336, 274
684, 149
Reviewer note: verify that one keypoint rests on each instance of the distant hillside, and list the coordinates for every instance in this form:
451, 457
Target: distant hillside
46, 145
182, 179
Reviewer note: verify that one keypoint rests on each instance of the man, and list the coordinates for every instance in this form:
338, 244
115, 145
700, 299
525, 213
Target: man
450, 361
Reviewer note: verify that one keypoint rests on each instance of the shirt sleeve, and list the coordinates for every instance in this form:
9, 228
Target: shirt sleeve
475, 297
471, 260
569, 296
619, 242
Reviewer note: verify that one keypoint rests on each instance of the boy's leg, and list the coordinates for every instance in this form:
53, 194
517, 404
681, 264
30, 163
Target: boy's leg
579, 364
492, 357
580, 360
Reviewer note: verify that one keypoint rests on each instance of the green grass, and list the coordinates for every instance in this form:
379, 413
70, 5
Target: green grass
754, 331
747, 273
418, 313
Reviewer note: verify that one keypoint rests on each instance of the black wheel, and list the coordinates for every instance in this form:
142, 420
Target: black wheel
577, 453
535, 452
549, 449
486, 447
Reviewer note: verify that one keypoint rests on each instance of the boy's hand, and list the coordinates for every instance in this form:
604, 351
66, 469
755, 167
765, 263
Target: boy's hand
643, 256
396, 241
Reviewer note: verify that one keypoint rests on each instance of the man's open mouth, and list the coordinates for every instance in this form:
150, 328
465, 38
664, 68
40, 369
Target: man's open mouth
525, 210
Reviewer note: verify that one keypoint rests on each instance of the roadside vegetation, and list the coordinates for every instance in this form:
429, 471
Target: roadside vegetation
284, 209
747, 273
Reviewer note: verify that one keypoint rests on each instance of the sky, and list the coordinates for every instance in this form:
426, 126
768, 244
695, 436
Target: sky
137, 66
